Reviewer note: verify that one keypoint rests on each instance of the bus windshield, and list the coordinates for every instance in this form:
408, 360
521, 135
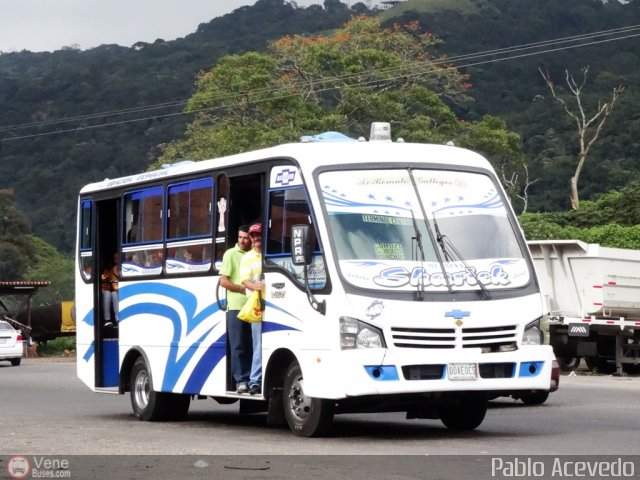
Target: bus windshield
418, 229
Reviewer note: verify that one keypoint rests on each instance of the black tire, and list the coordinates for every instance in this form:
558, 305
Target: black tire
534, 397
568, 364
465, 415
306, 416
599, 365
16, 361
631, 369
149, 405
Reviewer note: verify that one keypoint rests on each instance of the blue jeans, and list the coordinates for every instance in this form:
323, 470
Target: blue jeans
256, 361
240, 347
109, 299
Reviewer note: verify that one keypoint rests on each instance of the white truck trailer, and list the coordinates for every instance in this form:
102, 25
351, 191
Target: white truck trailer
593, 299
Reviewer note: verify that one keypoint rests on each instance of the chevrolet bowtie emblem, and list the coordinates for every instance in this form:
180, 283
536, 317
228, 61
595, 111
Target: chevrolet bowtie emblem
457, 314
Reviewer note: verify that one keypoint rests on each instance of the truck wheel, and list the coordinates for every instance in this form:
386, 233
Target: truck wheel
306, 416
149, 405
630, 368
534, 397
467, 414
568, 364
599, 364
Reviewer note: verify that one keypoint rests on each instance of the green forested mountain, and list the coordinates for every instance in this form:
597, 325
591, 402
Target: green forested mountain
47, 172
515, 91
37, 90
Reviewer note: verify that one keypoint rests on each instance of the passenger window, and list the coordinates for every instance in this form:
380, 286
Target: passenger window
86, 254
143, 247
288, 207
189, 226
190, 212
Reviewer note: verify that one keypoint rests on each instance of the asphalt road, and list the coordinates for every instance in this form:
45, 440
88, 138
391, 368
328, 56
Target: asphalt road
46, 410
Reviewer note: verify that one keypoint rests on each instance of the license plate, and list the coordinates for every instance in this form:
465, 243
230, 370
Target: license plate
462, 371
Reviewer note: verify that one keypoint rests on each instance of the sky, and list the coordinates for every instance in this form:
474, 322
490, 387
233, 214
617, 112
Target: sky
48, 25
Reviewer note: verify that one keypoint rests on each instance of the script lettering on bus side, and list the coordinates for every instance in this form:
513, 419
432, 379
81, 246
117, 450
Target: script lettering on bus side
397, 277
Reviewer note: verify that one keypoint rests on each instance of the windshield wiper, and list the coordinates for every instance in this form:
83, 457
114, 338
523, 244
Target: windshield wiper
448, 247
418, 239
429, 230
440, 239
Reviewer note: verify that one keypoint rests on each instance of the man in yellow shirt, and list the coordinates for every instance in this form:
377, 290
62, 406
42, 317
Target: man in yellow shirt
251, 278
238, 332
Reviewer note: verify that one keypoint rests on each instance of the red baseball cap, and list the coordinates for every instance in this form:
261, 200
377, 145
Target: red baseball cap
255, 228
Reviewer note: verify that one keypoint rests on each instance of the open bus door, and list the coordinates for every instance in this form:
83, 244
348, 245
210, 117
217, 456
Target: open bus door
242, 196
106, 335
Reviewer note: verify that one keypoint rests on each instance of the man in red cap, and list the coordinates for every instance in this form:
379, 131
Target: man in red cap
251, 277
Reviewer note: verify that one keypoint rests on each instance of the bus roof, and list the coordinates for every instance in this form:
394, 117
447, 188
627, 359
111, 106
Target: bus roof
311, 155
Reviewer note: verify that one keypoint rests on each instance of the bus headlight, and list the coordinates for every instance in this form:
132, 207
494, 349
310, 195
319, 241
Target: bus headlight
532, 334
357, 334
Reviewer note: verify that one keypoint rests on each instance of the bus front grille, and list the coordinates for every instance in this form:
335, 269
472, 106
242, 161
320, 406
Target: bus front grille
438, 338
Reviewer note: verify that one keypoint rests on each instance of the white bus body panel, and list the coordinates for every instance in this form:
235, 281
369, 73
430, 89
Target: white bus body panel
341, 373
177, 325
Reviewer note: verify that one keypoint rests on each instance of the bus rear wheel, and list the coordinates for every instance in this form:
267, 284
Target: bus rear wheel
149, 405
534, 397
465, 414
306, 416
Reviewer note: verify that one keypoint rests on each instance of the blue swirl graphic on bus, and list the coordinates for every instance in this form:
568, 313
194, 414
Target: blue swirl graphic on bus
188, 301
90, 351
492, 201
334, 199
378, 202
88, 318
183, 321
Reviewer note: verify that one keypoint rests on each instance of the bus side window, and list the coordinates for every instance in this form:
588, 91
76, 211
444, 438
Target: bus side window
143, 245
288, 207
86, 253
189, 226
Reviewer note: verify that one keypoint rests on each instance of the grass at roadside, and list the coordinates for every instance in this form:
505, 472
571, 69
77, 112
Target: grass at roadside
58, 347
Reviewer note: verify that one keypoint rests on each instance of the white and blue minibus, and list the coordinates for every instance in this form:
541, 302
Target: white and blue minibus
397, 279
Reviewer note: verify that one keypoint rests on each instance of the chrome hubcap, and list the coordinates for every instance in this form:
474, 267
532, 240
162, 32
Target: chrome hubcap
141, 389
299, 405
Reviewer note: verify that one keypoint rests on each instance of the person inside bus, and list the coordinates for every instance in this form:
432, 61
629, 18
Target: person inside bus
155, 259
238, 332
109, 288
252, 279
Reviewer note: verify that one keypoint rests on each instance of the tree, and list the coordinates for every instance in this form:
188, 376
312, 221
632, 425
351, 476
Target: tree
588, 129
342, 81
490, 136
49, 265
14, 246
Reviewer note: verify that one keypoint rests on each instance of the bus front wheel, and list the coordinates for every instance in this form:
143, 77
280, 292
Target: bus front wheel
149, 405
306, 416
466, 414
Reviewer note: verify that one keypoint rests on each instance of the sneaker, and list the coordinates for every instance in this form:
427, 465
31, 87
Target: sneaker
255, 389
242, 388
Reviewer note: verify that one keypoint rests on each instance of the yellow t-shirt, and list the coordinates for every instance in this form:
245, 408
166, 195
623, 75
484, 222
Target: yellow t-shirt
251, 266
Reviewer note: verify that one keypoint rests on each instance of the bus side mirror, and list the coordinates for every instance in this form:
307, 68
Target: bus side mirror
300, 246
